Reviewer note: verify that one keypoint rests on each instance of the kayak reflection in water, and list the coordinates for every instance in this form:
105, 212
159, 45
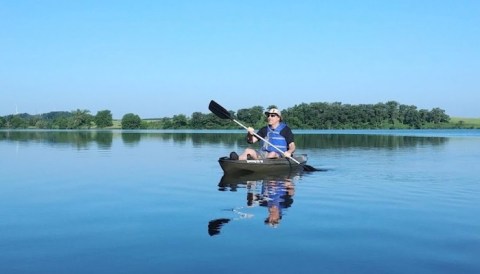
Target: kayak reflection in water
275, 195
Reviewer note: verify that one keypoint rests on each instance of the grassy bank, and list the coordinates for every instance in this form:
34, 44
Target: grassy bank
465, 122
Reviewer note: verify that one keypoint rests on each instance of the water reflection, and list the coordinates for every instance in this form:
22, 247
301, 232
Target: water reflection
272, 192
365, 141
131, 138
275, 195
104, 138
81, 139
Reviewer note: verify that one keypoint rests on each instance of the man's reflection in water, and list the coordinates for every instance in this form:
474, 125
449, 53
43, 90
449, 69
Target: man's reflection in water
274, 194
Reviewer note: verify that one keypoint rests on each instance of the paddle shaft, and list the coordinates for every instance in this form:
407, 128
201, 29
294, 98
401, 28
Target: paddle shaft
263, 139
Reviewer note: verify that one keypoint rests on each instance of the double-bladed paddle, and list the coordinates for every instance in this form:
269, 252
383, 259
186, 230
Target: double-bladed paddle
222, 113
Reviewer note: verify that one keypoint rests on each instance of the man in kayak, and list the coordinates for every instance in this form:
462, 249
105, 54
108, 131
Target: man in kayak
277, 133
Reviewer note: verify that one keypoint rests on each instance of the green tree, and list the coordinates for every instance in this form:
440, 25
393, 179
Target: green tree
17, 122
198, 120
80, 119
60, 123
393, 112
252, 116
411, 116
437, 116
131, 121
166, 122
42, 123
179, 121
380, 115
103, 119
295, 116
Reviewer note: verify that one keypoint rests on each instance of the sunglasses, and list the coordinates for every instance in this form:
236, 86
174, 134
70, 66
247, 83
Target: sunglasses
272, 115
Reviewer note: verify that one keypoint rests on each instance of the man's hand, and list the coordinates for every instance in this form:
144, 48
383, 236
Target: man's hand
251, 131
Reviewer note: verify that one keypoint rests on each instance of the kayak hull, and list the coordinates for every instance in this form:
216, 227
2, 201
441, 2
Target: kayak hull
262, 165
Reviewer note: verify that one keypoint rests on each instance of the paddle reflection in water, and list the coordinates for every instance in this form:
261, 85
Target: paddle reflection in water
274, 192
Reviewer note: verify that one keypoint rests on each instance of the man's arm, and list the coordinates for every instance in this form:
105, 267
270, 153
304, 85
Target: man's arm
289, 137
291, 149
251, 138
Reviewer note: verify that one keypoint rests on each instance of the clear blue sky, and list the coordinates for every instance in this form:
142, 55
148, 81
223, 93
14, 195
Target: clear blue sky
160, 58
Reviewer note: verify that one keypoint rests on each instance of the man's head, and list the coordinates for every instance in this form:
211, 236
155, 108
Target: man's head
274, 216
274, 113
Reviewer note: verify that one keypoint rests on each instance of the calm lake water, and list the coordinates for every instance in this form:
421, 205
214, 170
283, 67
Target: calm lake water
157, 202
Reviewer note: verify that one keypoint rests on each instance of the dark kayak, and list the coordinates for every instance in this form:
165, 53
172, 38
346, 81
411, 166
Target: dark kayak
263, 165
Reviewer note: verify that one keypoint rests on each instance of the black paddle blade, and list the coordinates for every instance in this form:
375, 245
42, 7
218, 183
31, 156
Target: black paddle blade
311, 168
215, 225
308, 168
218, 110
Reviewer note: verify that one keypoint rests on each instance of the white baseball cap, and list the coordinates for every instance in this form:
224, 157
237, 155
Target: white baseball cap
274, 111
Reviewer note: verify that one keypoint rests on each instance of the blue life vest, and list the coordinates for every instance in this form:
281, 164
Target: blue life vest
276, 139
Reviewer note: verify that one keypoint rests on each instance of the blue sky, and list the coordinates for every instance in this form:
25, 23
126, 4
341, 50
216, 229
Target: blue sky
161, 58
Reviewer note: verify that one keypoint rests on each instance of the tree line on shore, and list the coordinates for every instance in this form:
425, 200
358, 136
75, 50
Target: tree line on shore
320, 115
